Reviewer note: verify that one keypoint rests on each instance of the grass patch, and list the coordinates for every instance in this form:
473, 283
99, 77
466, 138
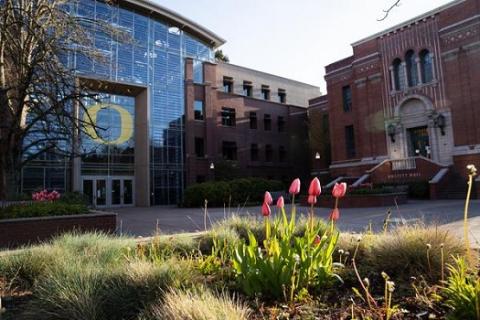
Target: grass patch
199, 304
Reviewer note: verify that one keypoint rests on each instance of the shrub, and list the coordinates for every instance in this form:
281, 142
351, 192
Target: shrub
42, 209
234, 192
462, 291
74, 198
197, 305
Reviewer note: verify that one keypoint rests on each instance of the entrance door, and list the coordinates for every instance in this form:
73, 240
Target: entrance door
103, 192
419, 144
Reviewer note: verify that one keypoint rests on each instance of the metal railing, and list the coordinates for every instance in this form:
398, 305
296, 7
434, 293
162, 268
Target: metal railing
404, 164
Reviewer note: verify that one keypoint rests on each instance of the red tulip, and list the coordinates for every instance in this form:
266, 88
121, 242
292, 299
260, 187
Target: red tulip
295, 187
335, 214
267, 198
339, 190
317, 240
312, 200
266, 210
315, 189
280, 203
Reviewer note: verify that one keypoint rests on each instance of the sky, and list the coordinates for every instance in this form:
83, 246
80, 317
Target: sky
295, 39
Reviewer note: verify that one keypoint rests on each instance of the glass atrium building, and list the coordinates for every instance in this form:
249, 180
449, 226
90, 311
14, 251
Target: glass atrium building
137, 158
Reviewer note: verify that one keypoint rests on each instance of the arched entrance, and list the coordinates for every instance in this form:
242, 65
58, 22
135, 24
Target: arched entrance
417, 132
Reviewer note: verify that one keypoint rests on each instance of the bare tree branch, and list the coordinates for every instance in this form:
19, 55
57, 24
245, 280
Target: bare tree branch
387, 11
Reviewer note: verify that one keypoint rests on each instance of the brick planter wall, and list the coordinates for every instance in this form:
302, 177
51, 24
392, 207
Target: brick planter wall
18, 232
362, 201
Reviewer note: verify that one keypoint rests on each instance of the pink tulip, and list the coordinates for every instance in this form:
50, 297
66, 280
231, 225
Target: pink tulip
280, 203
339, 190
335, 214
315, 189
266, 212
267, 198
294, 187
312, 200
317, 240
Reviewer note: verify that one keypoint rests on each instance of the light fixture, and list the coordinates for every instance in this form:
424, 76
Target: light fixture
212, 166
317, 156
391, 130
441, 123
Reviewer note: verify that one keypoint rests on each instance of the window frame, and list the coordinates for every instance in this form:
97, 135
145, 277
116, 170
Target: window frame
227, 84
267, 118
195, 110
229, 147
228, 116
350, 146
347, 98
202, 153
265, 92
253, 120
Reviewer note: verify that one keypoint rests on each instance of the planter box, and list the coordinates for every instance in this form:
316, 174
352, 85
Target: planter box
24, 231
362, 200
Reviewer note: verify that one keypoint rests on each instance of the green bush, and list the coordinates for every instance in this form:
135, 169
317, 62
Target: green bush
42, 209
74, 198
229, 193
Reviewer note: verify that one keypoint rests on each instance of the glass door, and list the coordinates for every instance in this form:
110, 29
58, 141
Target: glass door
128, 192
101, 193
116, 192
419, 144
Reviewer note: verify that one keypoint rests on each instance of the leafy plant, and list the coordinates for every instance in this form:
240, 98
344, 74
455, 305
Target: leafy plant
462, 291
42, 209
286, 264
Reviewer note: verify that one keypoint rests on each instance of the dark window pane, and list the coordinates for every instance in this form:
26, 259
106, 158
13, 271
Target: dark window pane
254, 152
229, 150
267, 122
198, 107
350, 142
228, 117
199, 147
347, 98
253, 120
268, 153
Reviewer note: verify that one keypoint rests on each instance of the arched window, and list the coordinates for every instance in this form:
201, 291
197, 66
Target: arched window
398, 75
426, 66
412, 74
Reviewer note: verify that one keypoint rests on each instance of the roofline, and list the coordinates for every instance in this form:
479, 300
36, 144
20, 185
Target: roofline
408, 22
180, 21
269, 74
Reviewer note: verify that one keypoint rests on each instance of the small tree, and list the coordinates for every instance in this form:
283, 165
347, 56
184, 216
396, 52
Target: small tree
220, 56
39, 95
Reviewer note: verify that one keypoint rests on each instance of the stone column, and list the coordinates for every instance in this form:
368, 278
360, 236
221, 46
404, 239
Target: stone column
392, 79
419, 71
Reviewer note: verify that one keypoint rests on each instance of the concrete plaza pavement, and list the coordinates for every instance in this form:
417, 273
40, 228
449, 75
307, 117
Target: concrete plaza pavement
171, 219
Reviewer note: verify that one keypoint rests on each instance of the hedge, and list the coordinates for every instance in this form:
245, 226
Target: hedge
42, 209
234, 192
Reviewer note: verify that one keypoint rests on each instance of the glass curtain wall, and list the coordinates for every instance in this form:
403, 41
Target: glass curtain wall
154, 57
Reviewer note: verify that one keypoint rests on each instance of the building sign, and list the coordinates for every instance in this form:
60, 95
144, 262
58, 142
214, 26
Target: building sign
126, 123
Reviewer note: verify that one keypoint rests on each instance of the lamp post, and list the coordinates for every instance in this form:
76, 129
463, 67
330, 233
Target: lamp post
317, 156
212, 170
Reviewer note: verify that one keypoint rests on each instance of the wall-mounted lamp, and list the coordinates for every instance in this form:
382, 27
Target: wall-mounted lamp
317, 156
441, 123
212, 166
391, 130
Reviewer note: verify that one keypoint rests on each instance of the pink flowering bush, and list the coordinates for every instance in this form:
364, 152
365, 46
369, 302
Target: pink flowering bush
44, 195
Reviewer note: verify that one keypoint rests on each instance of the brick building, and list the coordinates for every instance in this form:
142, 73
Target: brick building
244, 122
405, 105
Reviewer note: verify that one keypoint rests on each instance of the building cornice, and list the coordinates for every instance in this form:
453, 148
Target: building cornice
177, 20
408, 22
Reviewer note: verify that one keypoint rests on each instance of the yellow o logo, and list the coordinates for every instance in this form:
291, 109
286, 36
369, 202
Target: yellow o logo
126, 123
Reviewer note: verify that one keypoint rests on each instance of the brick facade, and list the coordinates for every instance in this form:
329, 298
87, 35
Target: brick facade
395, 93
293, 139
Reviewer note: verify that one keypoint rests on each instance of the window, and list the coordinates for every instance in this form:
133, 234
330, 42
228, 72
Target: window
253, 120
347, 98
227, 85
247, 88
198, 108
229, 150
267, 122
228, 117
398, 75
197, 71
350, 142
268, 153
254, 152
282, 154
426, 66
281, 124
412, 75
265, 92
200, 179
282, 96
199, 147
